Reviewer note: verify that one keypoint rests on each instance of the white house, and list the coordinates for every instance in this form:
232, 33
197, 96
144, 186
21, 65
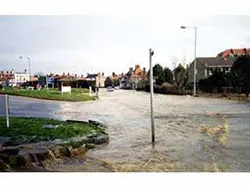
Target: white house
21, 77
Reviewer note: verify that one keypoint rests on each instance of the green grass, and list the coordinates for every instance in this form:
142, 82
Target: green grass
51, 94
30, 129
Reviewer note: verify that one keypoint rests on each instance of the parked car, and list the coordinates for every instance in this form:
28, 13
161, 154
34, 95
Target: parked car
110, 89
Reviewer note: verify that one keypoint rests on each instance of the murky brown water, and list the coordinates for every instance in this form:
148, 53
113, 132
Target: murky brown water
180, 143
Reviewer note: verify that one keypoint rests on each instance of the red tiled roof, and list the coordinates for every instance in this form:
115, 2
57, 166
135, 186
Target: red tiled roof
242, 51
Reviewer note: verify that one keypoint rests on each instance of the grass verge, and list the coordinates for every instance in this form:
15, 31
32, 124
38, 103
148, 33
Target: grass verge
29, 130
77, 95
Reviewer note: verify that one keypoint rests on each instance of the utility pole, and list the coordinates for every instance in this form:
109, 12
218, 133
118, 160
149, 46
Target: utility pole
195, 70
27, 57
151, 53
195, 41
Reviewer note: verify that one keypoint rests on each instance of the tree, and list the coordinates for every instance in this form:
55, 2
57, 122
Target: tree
180, 75
116, 82
168, 75
241, 72
108, 82
217, 79
158, 74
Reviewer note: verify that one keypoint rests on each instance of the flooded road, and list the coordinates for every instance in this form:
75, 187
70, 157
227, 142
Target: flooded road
181, 143
30, 107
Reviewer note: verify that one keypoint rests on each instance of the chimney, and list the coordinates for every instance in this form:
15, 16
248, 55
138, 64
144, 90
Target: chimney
75, 75
113, 74
103, 74
144, 69
131, 69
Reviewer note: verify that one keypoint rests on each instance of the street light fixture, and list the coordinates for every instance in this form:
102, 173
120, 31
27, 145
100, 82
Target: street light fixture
27, 57
195, 39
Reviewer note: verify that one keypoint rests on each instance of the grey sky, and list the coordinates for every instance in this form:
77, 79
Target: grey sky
81, 44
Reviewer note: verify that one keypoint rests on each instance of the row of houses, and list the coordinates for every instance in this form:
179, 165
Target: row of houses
12, 78
128, 80
57, 80
204, 68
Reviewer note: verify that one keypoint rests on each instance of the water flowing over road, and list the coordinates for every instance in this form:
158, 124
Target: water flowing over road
180, 143
179, 120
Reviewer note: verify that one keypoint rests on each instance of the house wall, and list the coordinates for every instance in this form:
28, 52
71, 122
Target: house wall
200, 74
100, 81
21, 77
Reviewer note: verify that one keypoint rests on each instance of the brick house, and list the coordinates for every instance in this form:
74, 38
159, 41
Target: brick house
206, 65
133, 77
234, 52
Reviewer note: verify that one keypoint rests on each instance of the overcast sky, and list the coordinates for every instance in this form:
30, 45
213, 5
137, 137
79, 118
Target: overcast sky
92, 44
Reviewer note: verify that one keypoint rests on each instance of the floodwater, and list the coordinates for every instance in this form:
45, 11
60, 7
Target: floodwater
180, 143
30, 107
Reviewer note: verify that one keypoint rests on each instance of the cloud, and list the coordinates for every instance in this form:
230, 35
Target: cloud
81, 44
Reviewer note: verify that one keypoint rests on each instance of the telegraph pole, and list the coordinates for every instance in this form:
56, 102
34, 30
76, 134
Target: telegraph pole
151, 53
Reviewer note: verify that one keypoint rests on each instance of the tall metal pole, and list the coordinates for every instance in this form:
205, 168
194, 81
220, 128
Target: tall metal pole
29, 65
195, 28
29, 68
151, 53
195, 39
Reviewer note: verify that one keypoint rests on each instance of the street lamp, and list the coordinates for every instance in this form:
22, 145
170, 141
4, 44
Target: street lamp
195, 39
151, 53
28, 62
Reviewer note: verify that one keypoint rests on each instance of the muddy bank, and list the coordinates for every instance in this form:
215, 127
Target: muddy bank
36, 156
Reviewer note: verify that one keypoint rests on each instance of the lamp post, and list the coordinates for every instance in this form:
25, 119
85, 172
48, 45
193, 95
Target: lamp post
195, 39
29, 64
151, 53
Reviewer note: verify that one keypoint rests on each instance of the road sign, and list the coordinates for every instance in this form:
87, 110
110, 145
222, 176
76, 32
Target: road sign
66, 89
4, 106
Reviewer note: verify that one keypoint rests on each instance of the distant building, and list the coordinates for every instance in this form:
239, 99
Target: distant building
133, 77
206, 65
98, 79
66, 79
234, 52
21, 77
113, 80
11, 78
